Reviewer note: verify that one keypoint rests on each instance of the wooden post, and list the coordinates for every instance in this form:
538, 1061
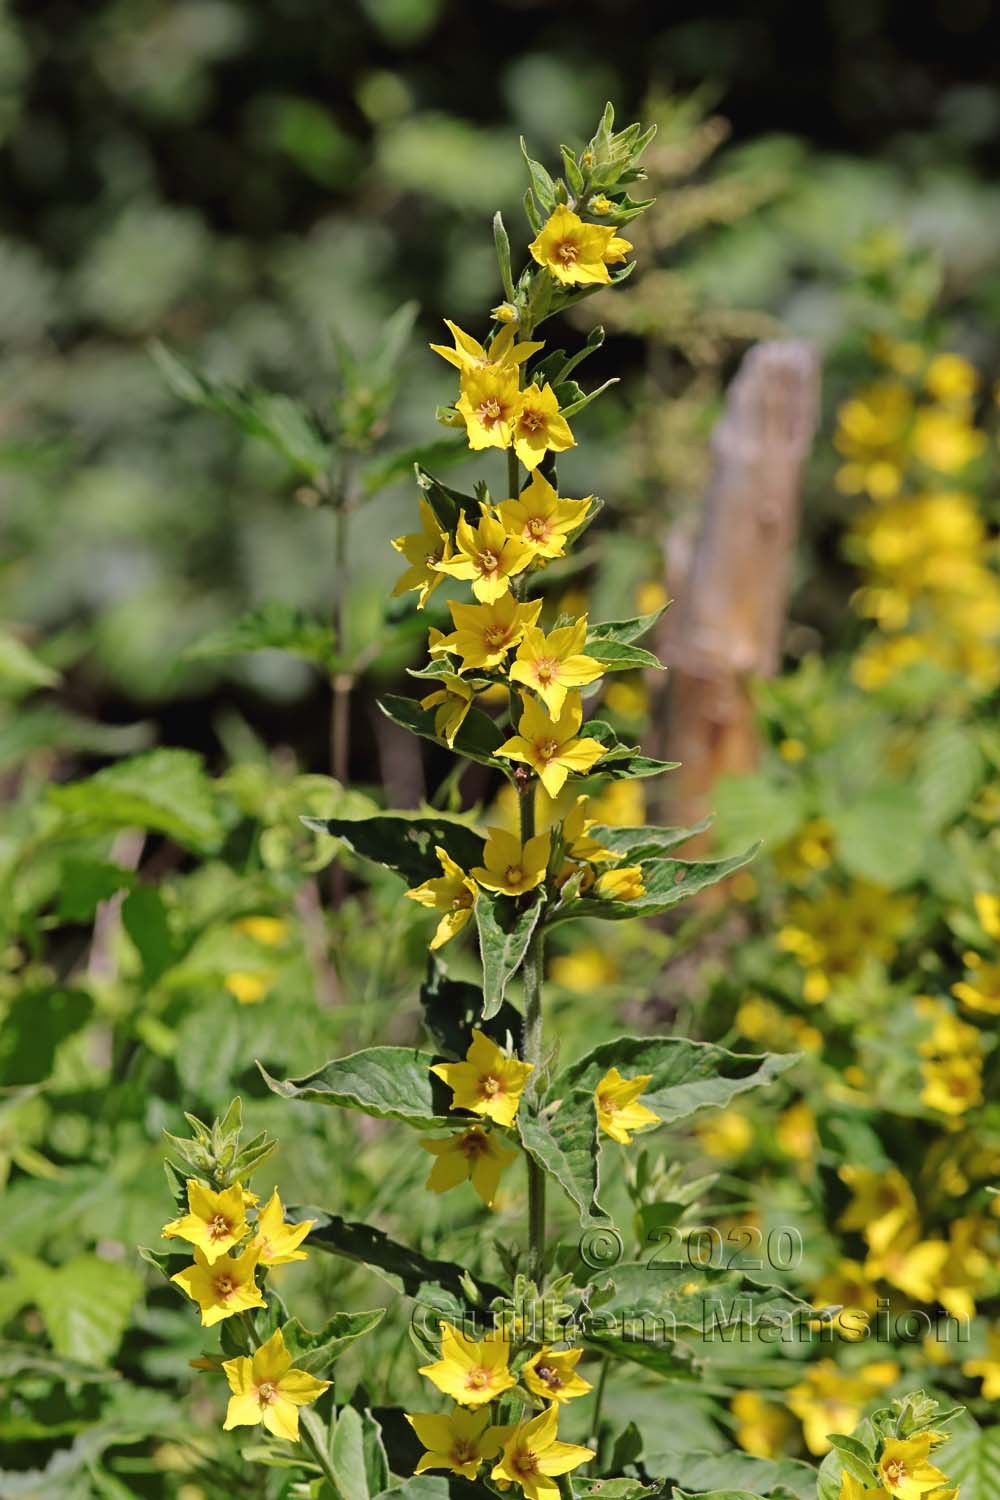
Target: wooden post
730, 581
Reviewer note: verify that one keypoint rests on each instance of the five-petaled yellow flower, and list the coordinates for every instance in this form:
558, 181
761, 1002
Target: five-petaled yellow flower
577, 254
540, 519
276, 1242
576, 835
484, 633
553, 664
539, 427
618, 1109
471, 1373
214, 1222
423, 550
452, 893
452, 701
469, 354
489, 402
488, 1082
623, 884
532, 1455
487, 556
473, 1156
508, 866
221, 1287
904, 1470
267, 1389
550, 746
459, 1441
551, 1373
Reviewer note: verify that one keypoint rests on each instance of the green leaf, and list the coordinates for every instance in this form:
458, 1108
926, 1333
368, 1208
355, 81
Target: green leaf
622, 762
86, 883
609, 1489
388, 1083
748, 808
144, 917
418, 1487
85, 1304
667, 882
972, 1459
710, 1473
478, 738
616, 656
347, 1454
855, 1457
582, 401
21, 671
405, 843
164, 791
274, 627
439, 1286
448, 505
563, 1142
541, 183
505, 930
453, 1007
574, 177
949, 769
440, 454
635, 844
622, 632
501, 240
36, 1022
881, 836
315, 1351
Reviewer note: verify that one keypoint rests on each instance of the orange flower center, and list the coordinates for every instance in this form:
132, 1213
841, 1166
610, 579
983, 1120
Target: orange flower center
524, 1462
894, 1470
607, 1104
538, 528
218, 1227
473, 1144
225, 1286
532, 420
495, 635
463, 1452
568, 251
513, 874
550, 1377
547, 749
463, 900
267, 1392
490, 1086
489, 411
488, 562
547, 670
478, 1379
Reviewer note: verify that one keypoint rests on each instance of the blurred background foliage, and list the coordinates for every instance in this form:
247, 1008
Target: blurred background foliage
259, 188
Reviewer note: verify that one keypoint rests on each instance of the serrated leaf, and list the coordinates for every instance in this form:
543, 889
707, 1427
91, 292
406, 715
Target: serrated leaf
274, 627
505, 930
406, 843
881, 836
667, 882
388, 1083
477, 739
164, 791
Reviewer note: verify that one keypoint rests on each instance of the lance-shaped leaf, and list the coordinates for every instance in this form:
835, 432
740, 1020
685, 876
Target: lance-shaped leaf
404, 843
315, 1350
441, 1287
477, 739
666, 881
622, 762
447, 504
452, 1007
636, 844
622, 632
505, 930
617, 656
562, 1139
389, 1083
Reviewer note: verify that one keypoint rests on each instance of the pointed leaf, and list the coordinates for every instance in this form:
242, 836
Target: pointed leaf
405, 843
505, 930
315, 1351
477, 739
388, 1083
453, 1007
624, 632
667, 882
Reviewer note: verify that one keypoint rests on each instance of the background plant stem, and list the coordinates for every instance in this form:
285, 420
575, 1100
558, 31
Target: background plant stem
532, 1052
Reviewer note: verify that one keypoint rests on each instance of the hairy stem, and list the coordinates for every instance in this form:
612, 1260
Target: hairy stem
531, 1049
341, 680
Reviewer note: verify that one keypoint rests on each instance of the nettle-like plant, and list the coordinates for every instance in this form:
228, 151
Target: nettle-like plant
503, 1358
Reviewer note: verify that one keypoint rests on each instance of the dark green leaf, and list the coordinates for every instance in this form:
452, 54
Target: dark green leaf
144, 917
388, 1083
623, 632
406, 843
505, 930
667, 882
636, 844
477, 739
616, 656
315, 1351
452, 1008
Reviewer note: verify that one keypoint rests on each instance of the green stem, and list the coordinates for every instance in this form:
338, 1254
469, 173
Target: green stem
341, 680
595, 1421
531, 1049
513, 475
314, 1441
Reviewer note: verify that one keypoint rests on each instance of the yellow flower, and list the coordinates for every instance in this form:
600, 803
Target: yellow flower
423, 550
221, 1287
473, 1156
452, 699
853, 1489
911, 1264
505, 312
459, 1441
762, 1427
851, 1288
453, 893
470, 1373
268, 931
487, 556
725, 1135
795, 1132
881, 1206
508, 867
828, 1400
904, 1470
584, 970
618, 1109
949, 377
623, 884
488, 1082
248, 986
552, 664
532, 1455
576, 834
987, 1369
276, 1242
489, 402
468, 354
540, 519
981, 991
484, 633
214, 1222
576, 253
601, 204
550, 746
267, 1389
953, 1085
539, 428
552, 1375
945, 440
987, 906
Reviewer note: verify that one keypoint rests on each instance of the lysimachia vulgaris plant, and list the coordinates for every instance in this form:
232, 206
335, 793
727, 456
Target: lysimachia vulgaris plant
516, 1351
